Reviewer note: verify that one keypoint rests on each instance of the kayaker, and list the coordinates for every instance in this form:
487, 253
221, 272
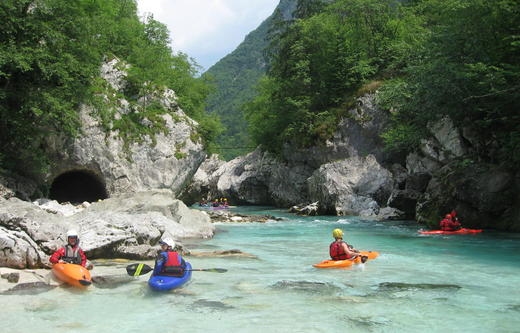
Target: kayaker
454, 216
169, 262
340, 250
448, 224
71, 252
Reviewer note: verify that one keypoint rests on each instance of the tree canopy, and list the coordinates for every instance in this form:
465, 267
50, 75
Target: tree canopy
432, 57
50, 57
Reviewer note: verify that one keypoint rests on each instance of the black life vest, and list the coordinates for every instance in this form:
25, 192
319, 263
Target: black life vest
336, 251
72, 255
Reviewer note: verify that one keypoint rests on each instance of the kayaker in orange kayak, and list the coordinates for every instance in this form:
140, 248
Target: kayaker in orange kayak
71, 253
340, 250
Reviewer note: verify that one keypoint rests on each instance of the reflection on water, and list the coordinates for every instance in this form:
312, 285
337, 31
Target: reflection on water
419, 283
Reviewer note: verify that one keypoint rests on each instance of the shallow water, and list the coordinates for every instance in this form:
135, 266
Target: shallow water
419, 283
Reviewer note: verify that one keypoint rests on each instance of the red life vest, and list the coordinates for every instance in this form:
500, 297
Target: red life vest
336, 251
173, 265
449, 225
173, 259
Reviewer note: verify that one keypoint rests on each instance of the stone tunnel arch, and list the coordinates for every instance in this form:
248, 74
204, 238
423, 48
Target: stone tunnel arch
78, 186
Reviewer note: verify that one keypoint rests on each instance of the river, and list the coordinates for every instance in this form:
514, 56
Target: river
419, 283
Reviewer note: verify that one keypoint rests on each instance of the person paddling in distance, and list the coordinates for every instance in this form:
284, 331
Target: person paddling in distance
340, 250
71, 253
169, 262
449, 223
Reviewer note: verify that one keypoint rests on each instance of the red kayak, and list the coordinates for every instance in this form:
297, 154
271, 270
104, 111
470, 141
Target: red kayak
460, 231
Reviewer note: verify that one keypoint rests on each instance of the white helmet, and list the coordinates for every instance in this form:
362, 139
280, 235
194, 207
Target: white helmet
168, 241
72, 233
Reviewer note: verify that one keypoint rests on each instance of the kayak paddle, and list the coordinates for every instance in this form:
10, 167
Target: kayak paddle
214, 270
141, 269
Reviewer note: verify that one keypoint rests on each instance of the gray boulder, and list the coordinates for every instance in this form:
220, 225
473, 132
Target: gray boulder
350, 186
127, 226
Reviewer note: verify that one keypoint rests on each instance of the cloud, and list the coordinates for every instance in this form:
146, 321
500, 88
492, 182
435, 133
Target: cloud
207, 30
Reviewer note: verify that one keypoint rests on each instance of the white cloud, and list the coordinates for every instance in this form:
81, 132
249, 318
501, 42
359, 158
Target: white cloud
207, 30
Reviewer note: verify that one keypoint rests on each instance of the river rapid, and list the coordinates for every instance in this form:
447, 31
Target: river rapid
419, 283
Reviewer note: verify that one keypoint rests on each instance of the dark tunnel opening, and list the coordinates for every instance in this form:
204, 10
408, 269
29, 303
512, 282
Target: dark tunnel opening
76, 187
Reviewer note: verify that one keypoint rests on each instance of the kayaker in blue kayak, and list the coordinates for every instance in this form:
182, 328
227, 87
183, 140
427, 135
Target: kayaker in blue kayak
169, 262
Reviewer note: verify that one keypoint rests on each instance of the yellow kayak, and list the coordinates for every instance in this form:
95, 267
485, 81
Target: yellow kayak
347, 263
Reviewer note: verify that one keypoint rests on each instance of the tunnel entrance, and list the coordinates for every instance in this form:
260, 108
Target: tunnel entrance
77, 186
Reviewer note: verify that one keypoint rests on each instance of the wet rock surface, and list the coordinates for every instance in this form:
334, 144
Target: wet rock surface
229, 216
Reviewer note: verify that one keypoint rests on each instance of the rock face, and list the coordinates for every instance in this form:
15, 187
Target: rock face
351, 187
257, 178
262, 179
485, 196
200, 184
352, 174
127, 226
166, 161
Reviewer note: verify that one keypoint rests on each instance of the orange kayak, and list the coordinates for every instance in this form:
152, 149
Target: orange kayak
346, 263
75, 275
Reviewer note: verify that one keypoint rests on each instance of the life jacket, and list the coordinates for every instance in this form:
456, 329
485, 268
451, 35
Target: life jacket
72, 255
449, 225
336, 251
173, 265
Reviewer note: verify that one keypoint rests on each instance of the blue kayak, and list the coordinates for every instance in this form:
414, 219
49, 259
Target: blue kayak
165, 282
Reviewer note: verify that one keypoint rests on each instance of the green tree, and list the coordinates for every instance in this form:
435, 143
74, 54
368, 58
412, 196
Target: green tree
50, 55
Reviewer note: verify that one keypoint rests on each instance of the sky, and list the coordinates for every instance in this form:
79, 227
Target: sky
208, 30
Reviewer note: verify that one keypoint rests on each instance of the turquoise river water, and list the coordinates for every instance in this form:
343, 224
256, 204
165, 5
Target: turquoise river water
456, 283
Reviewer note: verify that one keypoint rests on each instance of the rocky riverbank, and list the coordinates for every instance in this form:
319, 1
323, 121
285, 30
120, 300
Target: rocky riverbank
229, 216
126, 226
353, 174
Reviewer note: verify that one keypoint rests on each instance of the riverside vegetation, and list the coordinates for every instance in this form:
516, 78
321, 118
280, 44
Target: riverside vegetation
427, 58
49, 64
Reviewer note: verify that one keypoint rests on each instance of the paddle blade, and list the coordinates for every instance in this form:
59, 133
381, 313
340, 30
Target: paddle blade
138, 269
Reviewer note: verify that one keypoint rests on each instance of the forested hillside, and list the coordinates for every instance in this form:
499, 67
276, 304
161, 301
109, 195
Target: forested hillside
235, 77
50, 57
428, 58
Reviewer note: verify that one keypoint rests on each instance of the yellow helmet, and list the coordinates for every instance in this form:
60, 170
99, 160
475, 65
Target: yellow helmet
337, 233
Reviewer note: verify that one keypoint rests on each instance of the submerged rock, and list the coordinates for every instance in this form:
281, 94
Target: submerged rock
111, 281
11, 277
314, 287
223, 253
30, 288
393, 286
366, 322
213, 305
